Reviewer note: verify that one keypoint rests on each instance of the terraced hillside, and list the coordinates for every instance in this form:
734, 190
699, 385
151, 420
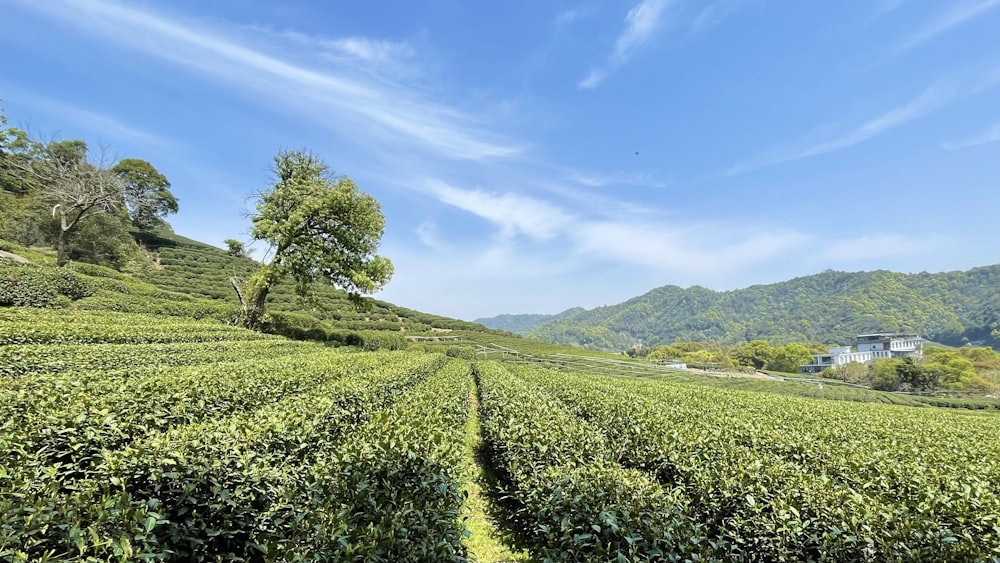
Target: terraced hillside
201, 270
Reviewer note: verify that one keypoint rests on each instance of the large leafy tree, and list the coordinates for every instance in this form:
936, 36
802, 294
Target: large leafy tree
235, 248
145, 193
788, 357
757, 354
320, 228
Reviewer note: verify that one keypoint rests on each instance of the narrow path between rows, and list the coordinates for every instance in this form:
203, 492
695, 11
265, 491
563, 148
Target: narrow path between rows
485, 540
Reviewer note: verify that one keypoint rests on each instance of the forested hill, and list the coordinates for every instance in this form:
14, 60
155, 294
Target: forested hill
830, 307
524, 324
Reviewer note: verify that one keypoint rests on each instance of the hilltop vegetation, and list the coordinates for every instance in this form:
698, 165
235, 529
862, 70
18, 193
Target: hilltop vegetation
953, 308
185, 278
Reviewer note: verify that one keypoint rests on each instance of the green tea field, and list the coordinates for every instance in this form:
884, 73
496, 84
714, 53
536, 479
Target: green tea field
134, 437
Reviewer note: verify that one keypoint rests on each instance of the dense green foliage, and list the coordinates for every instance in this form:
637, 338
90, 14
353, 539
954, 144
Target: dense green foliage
145, 193
320, 228
952, 308
191, 279
129, 436
220, 443
203, 271
576, 503
56, 194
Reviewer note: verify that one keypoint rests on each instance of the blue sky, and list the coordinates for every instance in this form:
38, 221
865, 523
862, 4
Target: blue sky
532, 156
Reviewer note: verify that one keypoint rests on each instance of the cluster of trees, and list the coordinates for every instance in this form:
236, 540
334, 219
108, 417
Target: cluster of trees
961, 369
319, 226
756, 354
58, 194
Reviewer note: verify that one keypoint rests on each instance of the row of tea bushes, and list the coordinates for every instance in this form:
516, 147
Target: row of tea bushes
779, 478
206, 474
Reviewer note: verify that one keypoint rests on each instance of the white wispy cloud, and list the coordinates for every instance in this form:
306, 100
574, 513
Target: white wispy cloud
569, 16
714, 13
373, 50
674, 248
377, 109
382, 59
886, 6
641, 24
513, 213
593, 78
931, 99
616, 179
428, 233
990, 135
946, 21
662, 246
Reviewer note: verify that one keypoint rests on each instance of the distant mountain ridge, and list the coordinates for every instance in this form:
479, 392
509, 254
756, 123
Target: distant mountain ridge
953, 308
524, 324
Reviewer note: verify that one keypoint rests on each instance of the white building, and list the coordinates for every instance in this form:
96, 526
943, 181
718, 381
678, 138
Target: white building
868, 348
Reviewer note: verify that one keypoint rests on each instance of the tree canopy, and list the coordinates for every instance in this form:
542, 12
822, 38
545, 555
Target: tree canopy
321, 228
235, 248
145, 193
59, 193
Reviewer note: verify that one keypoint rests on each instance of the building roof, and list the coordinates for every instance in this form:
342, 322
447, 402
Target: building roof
889, 335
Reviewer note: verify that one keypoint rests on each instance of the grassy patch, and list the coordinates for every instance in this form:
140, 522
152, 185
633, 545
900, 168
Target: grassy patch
486, 542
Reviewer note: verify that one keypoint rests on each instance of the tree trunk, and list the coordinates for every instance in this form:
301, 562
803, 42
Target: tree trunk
252, 309
61, 257
253, 312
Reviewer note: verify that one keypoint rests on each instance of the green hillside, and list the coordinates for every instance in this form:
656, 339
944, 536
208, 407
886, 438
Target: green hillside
952, 308
189, 266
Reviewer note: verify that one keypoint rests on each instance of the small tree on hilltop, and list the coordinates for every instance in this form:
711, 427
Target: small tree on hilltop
235, 248
320, 228
145, 193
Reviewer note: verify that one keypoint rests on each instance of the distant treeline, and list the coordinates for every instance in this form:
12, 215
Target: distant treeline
953, 308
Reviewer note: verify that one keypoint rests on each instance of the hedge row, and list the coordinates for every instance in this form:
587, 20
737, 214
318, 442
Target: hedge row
41, 326
76, 425
145, 304
37, 359
213, 489
391, 491
576, 502
778, 478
